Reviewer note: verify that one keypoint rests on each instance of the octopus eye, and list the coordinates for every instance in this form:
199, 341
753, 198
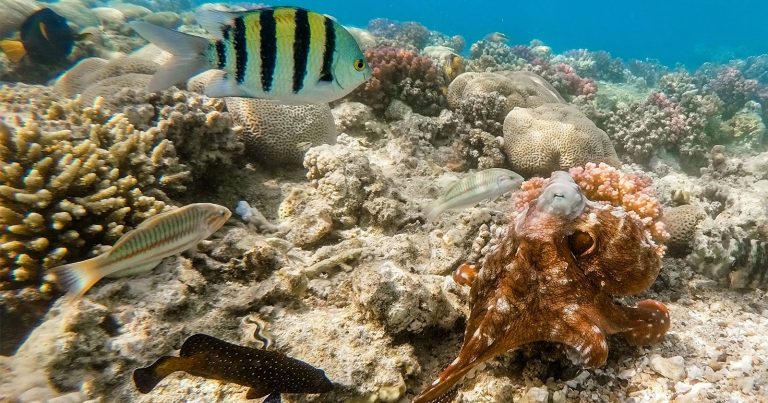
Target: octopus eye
581, 243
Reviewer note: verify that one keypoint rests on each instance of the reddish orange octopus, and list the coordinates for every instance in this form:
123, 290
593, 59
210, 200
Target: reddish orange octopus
551, 277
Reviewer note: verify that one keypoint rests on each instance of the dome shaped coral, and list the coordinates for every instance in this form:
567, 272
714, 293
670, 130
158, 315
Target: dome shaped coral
553, 137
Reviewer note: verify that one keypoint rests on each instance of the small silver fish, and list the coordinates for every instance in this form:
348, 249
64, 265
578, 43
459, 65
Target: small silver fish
482, 185
141, 249
496, 37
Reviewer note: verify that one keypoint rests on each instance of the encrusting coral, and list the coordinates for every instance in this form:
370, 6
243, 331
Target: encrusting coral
553, 137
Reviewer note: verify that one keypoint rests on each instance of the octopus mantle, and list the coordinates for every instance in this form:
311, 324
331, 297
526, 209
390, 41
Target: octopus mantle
551, 277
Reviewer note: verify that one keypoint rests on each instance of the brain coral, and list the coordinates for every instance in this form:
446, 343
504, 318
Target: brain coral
553, 137
92, 70
521, 88
681, 222
75, 178
484, 99
277, 133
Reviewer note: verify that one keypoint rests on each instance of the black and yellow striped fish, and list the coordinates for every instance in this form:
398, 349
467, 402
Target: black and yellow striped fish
284, 53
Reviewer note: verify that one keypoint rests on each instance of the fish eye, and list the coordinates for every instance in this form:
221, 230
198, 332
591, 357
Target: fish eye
359, 64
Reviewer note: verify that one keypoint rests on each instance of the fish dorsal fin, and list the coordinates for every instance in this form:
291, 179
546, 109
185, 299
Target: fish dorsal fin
215, 21
200, 342
258, 392
14, 50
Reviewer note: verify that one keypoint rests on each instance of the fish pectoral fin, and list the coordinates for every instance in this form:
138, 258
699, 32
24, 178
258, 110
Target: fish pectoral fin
273, 397
86, 36
222, 86
215, 21
143, 268
259, 392
14, 50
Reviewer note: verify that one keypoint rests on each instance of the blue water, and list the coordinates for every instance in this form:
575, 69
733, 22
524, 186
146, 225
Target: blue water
673, 31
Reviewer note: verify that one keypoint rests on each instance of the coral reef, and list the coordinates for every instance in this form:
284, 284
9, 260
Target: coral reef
553, 137
276, 133
412, 34
598, 65
484, 99
402, 74
478, 149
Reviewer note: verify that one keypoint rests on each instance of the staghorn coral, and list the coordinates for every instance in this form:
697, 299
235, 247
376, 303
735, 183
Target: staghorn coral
484, 99
65, 195
276, 133
604, 183
402, 74
681, 222
552, 137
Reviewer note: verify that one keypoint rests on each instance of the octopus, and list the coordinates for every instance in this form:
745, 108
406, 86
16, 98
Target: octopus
552, 277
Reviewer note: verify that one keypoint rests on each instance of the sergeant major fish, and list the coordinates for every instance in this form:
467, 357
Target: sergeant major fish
265, 372
286, 54
143, 248
486, 184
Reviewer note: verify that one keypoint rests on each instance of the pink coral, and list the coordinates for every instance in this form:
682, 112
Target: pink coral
604, 183
400, 73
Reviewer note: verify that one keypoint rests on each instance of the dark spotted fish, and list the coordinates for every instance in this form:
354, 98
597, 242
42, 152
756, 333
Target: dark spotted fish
265, 372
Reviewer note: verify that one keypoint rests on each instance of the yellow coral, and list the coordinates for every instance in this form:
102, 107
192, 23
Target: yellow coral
73, 179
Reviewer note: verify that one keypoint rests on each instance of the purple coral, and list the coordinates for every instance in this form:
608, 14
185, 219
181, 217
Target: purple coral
400, 73
733, 89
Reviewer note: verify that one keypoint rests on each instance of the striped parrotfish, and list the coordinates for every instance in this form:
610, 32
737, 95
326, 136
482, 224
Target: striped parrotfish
141, 249
481, 185
287, 54
267, 373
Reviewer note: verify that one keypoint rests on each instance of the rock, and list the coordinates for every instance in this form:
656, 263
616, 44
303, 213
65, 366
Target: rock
672, 368
535, 395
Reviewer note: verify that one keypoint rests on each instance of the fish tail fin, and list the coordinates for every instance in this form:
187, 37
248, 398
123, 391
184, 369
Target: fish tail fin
147, 378
14, 50
78, 278
432, 210
190, 54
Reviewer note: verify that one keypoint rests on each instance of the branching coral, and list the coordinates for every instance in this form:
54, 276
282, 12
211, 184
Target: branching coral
400, 73
733, 89
687, 127
553, 137
599, 65
604, 183
66, 192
